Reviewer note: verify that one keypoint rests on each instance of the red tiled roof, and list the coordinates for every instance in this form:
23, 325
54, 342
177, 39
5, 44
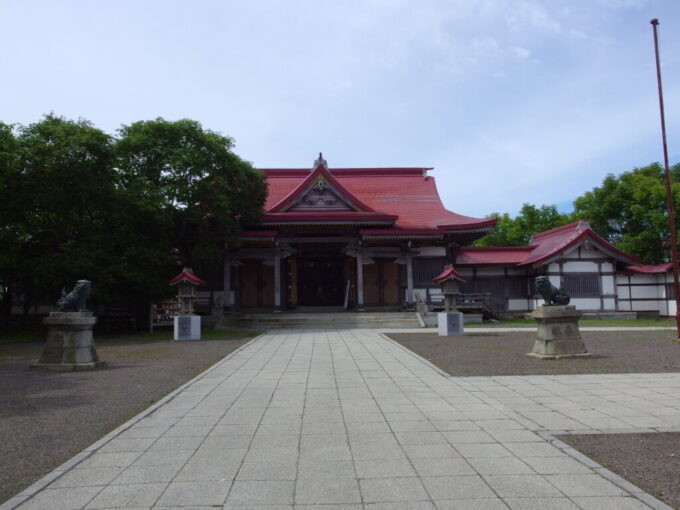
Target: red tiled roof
448, 273
407, 193
554, 241
492, 255
542, 247
650, 269
188, 276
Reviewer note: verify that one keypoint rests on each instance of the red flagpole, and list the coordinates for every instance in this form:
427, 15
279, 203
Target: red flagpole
669, 196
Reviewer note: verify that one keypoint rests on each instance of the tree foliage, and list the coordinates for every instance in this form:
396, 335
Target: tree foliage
518, 230
125, 212
629, 210
191, 175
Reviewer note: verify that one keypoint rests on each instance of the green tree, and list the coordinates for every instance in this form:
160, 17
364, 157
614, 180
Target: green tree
10, 229
61, 180
629, 210
203, 190
518, 230
125, 213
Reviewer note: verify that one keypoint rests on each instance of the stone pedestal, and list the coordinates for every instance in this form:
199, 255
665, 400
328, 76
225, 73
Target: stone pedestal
187, 327
70, 345
450, 323
558, 333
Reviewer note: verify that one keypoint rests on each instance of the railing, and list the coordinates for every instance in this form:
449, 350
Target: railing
482, 302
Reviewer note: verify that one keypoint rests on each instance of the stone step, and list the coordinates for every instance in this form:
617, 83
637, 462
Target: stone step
342, 320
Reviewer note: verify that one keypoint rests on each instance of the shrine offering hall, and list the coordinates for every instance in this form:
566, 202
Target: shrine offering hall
345, 237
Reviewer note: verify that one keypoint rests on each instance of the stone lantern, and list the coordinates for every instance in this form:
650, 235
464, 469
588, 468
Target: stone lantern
187, 325
450, 321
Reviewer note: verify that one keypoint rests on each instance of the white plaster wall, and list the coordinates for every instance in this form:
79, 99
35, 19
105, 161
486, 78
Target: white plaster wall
646, 305
555, 280
607, 267
592, 253
586, 303
608, 284
647, 291
644, 278
585, 266
519, 305
431, 251
624, 306
623, 291
609, 304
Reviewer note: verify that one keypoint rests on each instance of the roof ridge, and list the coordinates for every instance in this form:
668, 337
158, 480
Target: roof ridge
581, 224
496, 248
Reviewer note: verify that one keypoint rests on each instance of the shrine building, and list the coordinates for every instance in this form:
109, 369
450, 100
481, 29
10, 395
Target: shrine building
374, 238
353, 237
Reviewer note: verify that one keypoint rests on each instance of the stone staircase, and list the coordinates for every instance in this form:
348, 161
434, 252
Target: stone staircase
339, 320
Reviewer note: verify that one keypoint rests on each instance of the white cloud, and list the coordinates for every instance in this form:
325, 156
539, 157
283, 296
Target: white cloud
521, 53
511, 100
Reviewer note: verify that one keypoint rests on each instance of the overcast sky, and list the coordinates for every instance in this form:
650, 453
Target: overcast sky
511, 101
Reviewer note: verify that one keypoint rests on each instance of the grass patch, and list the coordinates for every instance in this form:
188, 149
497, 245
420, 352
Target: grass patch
628, 323
39, 334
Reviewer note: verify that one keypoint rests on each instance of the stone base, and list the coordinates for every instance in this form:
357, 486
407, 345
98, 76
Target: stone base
187, 327
558, 333
562, 356
450, 323
70, 345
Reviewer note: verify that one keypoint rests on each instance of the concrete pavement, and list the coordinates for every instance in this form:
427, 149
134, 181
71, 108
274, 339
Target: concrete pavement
349, 420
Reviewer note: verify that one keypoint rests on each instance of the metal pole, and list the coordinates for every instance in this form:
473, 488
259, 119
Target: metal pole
669, 196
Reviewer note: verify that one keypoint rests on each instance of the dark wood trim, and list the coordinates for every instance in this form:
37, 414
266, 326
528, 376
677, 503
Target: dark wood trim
587, 259
608, 273
645, 299
599, 270
639, 284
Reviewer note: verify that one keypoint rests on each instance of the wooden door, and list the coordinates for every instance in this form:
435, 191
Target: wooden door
256, 284
390, 289
381, 283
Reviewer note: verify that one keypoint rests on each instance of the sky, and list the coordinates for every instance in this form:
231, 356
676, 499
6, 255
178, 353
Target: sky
511, 101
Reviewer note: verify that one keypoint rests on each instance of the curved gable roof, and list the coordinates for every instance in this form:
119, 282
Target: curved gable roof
407, 193
551, 243
543, 247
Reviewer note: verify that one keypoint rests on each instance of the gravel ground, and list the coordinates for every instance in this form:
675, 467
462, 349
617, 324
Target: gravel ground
47, 417
492, 354
650, 461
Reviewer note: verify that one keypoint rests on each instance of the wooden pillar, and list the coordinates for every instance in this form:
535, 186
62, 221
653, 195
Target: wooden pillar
227, 281
410, 302
360, 281
277, 281
236, 304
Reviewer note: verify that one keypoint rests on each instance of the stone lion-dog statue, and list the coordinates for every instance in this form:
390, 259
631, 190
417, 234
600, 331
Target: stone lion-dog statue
75, 300
551, 294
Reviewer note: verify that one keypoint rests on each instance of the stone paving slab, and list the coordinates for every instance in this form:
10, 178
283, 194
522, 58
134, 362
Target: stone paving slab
349, 419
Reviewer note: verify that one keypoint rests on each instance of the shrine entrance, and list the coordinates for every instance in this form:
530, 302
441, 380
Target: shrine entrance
320, 282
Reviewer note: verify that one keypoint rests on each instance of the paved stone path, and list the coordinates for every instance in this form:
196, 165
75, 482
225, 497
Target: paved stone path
349, 420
